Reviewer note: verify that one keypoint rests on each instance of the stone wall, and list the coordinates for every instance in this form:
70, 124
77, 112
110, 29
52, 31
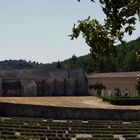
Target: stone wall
70, 86
43, 83
28, 88
49, 88
117, 84
61, 87
21, 110
0, 87
11, 88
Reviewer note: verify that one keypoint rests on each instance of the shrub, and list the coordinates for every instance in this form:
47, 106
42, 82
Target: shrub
122, 100
98, 87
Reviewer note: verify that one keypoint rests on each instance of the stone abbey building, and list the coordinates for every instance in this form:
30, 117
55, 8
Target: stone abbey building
116, 84
43, 83
65, 83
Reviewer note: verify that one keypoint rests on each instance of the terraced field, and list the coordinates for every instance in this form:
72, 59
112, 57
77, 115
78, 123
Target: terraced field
42, 129
70, 101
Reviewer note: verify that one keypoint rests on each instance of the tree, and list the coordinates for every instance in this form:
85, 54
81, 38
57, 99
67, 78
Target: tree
59, 66
121, 17
99, 87
138, 85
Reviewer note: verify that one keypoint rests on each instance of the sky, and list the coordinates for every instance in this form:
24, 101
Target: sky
38, 30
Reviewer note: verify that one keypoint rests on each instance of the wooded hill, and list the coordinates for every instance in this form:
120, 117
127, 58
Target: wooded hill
123, 59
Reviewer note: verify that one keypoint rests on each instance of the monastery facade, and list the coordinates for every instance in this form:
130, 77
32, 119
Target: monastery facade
66, 83
116, 84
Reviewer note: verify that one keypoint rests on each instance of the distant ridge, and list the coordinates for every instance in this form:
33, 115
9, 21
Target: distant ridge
123, 60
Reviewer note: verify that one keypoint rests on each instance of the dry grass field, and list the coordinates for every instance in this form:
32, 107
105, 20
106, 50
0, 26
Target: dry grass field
73, 101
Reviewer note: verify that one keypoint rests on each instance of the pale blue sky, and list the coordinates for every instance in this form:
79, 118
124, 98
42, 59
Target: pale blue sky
38, 30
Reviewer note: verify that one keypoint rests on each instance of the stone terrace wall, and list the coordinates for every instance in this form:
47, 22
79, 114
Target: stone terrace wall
16, 110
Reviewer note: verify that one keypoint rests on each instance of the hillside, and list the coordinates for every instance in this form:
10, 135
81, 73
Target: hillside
15, 64
123, 59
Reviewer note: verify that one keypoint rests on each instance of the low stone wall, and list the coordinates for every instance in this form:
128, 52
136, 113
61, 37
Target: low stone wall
22, 110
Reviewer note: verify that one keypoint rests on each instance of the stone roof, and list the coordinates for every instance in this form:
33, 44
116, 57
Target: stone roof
40, 74
58, 74
7, 74
114, 74
28, 83
23, 74
76, 73
35, 74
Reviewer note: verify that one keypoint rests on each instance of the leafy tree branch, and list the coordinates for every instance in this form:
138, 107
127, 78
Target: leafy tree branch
121, 17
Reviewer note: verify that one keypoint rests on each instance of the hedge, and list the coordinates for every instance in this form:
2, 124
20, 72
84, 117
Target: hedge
122, 100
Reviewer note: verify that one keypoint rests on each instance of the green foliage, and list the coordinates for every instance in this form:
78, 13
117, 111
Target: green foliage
127, 57
84, 62
99, 87
121, 17
122, 100
16, 64
138, 86
59, 66
96, 36
124, 59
